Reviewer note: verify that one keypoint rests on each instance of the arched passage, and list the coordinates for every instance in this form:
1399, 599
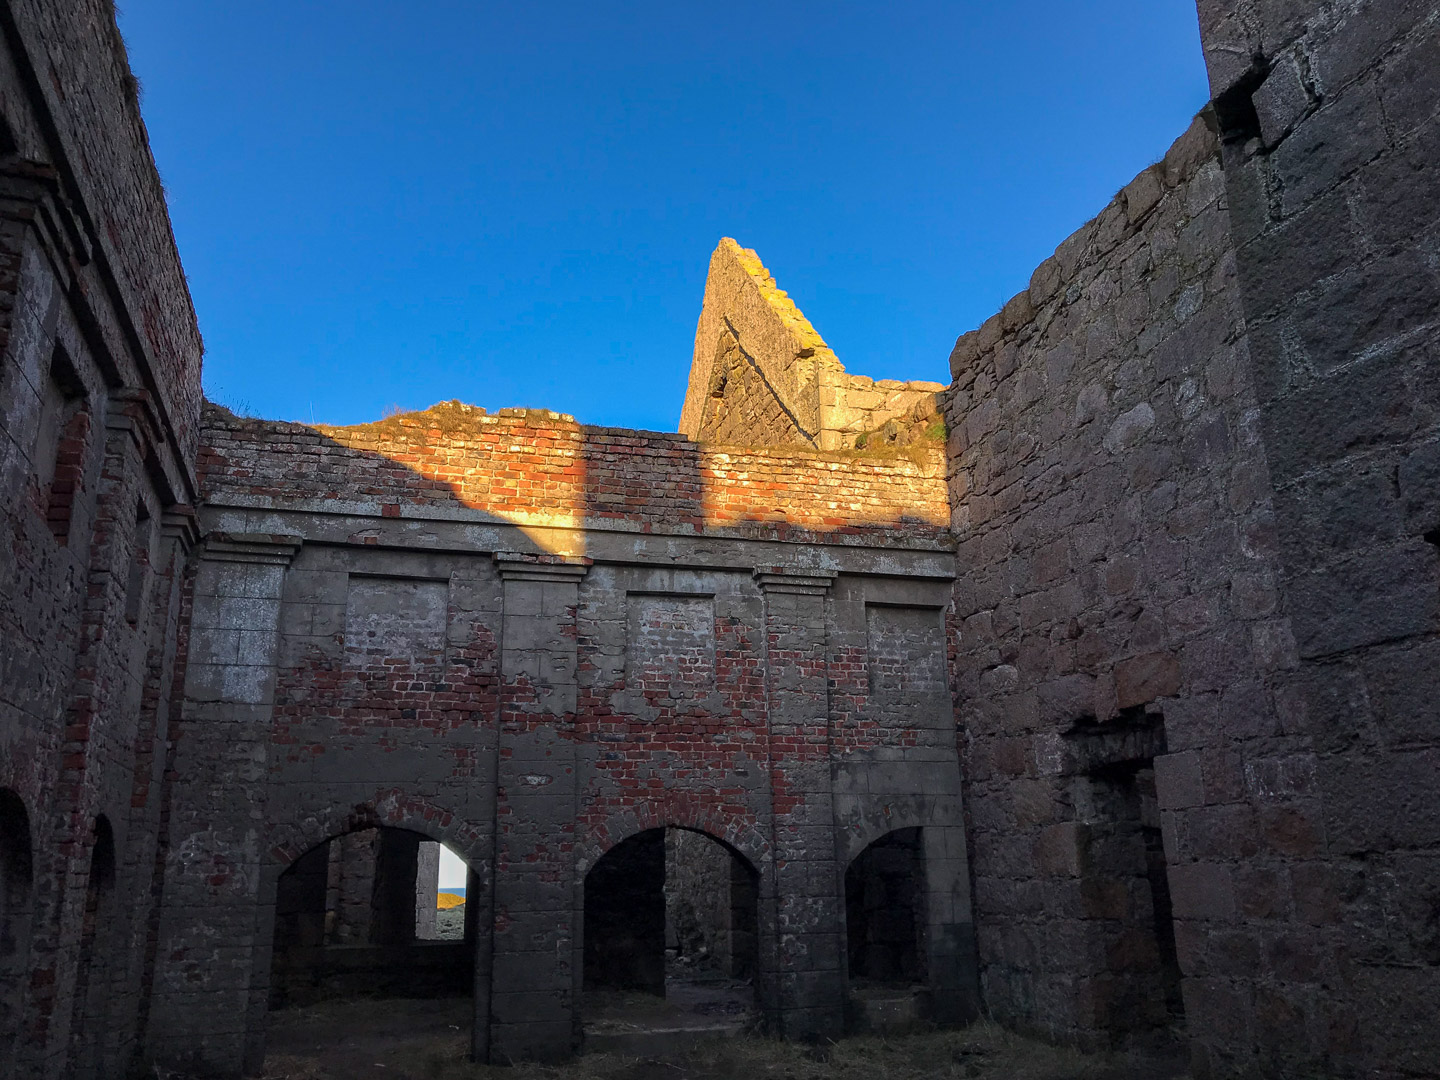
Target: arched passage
885, 916
671, 935
16, 907
355, 916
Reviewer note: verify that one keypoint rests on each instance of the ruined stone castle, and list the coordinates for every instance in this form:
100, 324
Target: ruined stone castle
1097, 692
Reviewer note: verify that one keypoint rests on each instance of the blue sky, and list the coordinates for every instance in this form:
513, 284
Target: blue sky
392, 204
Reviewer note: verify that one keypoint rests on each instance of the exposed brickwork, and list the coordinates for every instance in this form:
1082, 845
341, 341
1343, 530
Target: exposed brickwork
542, 469
75, 90
97, 429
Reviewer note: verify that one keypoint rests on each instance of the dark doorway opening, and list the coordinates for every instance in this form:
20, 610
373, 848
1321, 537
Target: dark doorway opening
1127, 857
1125, 884
351, 922
671, 939
885, 911
625, 917
17, 870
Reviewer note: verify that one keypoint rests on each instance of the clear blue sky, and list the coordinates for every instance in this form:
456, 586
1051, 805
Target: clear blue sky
391, 204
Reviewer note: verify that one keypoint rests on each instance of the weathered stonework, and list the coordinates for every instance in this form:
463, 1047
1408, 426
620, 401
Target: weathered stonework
607, 627
1113, 717
762, 376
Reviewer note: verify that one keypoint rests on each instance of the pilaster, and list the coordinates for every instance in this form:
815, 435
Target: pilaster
534, 1010
809, 990
202, 989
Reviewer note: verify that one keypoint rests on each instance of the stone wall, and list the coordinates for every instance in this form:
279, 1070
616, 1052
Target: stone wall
1175, 574
762, 375
863, 413
1331, 137
99, 398
71, 103
533, 641
1120, 613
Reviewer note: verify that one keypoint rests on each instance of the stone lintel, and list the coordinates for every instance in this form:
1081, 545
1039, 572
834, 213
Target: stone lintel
132, 409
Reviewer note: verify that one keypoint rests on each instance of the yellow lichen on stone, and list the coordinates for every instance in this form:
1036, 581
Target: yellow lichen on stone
790, 314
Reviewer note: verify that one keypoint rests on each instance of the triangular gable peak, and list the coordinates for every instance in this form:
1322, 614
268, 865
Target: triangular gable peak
762, 376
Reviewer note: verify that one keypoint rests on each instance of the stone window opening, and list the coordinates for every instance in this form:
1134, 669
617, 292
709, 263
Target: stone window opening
670, 915
90, 1027
60, 445
350, 923
885, 916
135, 585
442, 884
1123, 869
16, 912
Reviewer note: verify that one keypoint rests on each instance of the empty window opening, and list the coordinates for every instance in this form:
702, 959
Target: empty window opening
671, 935
349, 922
90, 1032
441, 883
885, 918
139, 566
1124, 875
16, 906
60, 445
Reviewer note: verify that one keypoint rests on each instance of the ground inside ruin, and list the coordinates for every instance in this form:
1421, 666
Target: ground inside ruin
428, 1040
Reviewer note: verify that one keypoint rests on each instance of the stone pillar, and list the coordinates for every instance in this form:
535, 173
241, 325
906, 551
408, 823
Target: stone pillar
427, 888
809, 983
535, 978
395, 872
352, 858
950, 934
209, 943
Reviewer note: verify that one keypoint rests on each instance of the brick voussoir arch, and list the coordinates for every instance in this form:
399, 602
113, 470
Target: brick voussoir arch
390, 808
856, 836
736, 829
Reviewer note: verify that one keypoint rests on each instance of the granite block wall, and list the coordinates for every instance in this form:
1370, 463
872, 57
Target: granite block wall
762, 375
1120, 613
1329, 120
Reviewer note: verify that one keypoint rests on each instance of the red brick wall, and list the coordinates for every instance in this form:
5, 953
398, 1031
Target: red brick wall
524, 466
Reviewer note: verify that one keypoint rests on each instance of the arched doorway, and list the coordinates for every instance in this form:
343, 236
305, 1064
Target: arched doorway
671, 939
17, 872
886, 932
363, 954
89, 1026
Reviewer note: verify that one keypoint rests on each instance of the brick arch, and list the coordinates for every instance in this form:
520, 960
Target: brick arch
857, 836
391, 808
742, 838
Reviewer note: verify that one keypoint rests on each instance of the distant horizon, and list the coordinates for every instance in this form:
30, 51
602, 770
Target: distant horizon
515, 208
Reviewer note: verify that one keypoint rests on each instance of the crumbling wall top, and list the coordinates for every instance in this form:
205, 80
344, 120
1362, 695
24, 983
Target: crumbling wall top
762, 375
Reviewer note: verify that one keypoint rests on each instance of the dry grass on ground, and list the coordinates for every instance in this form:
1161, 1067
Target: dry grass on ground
981, 1052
